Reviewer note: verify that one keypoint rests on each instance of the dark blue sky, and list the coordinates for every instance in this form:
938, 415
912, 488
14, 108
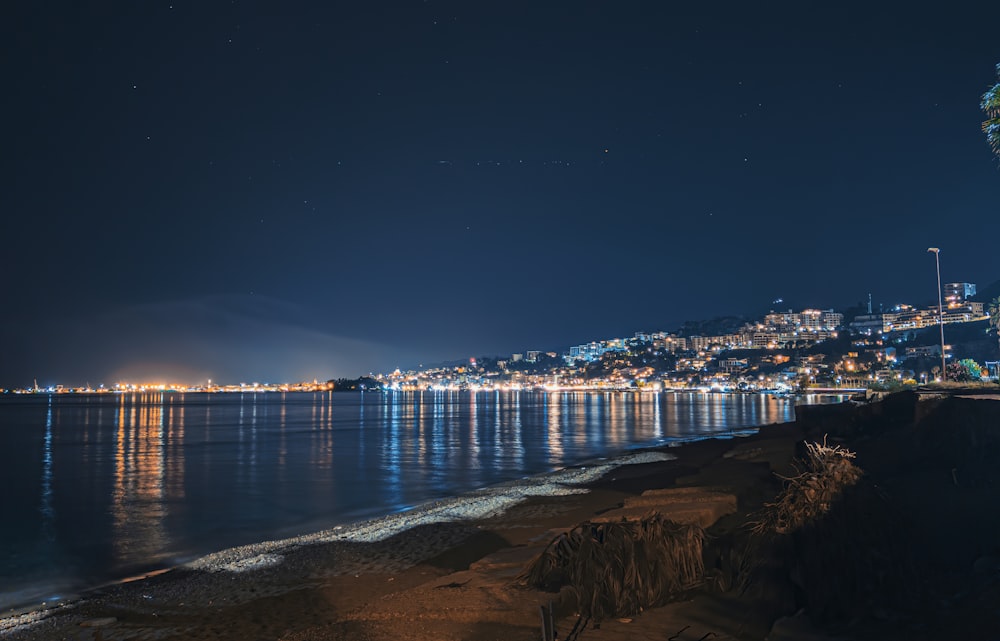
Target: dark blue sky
280, 191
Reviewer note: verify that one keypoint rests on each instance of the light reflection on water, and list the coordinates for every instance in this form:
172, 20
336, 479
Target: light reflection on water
108, 485
47, 509
138, 501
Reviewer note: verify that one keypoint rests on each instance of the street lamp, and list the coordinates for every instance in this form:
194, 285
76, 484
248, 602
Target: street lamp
937, 262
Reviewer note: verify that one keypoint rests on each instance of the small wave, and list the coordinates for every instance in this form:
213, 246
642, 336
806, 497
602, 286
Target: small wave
253, 563
26, 620
481, 504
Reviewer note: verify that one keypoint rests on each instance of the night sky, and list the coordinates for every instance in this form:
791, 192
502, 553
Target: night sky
255, 191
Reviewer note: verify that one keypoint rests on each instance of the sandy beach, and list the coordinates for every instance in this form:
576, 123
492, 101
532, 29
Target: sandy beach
918, 539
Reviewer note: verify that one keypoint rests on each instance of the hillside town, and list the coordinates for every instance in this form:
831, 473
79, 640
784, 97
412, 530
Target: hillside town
783, 352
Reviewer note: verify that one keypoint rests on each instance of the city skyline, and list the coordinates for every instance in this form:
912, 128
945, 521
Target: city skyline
283, 193
703, 351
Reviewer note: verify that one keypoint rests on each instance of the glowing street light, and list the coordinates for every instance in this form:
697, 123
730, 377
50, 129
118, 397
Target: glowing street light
937, 262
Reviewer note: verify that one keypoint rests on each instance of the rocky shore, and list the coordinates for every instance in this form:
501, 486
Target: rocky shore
908, 550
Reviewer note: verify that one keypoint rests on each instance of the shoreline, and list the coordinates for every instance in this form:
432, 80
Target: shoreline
476, 505
454, 579
429, 522
468, 510
78, 570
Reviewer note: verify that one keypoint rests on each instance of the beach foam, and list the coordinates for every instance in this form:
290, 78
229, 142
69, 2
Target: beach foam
480, 504
253, 563
25, 620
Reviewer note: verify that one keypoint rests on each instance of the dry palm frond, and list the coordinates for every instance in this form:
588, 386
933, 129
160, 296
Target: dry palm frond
823, 476
618, 569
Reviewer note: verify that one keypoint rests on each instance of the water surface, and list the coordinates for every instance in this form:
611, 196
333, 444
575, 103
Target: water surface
105, 486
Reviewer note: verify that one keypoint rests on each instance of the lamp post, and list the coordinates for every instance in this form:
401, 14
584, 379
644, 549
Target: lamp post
937, 262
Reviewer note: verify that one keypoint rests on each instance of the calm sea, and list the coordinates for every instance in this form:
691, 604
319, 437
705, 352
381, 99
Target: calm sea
98, 488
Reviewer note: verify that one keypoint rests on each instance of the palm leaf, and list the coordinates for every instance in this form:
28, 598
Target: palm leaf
990, 105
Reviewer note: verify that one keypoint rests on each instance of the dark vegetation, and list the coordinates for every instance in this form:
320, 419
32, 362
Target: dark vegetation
713, 327
354, 384
619, 569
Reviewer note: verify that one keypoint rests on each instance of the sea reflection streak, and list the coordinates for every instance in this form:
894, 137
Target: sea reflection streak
48, 509
554, 427
474, 430
138, 507
517, 445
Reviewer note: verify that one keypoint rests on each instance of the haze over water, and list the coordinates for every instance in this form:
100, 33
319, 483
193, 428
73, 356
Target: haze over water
106, 486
